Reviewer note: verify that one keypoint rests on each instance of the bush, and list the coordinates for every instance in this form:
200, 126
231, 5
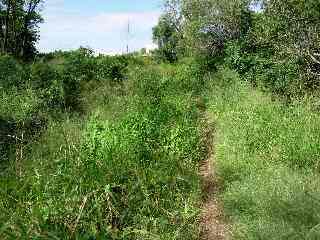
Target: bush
80, 65
12, 73
18, 104
48, 82
236, 58
7, 129
281, 76
113, 68
20, 119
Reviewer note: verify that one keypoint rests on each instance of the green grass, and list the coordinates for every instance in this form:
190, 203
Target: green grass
268, 161
126, 166
125, 169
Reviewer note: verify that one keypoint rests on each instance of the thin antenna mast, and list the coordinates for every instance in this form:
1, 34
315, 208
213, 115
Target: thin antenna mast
128, 35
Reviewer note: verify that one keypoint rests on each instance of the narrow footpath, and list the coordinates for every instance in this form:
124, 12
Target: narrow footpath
212, 221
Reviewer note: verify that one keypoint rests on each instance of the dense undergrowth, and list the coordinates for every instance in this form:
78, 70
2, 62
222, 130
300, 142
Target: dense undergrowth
109, 147
123, 167
114, 154
101, 147
32, 94
267, 156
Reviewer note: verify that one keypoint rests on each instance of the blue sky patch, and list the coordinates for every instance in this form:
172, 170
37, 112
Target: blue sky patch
99, 24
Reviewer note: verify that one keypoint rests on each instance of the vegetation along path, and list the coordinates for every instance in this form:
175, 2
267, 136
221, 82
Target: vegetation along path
121, 148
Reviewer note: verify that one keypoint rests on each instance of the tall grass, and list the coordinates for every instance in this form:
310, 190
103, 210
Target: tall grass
126, 169
268, 160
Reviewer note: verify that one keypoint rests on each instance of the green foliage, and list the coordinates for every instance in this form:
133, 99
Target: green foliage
59, 84
166, 35
6, 128
274, 44
18, 104
127, 170
33, 93
12, 73
47, 81
237, 59
267, 159
19, 120
280, 76
82, 66
279, 35
19, 32
126, 167
114, 68
210, 24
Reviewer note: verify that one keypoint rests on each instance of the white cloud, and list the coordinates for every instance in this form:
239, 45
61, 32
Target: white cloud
104, 32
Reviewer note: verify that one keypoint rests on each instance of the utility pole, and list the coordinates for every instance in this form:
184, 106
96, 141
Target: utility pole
128, 36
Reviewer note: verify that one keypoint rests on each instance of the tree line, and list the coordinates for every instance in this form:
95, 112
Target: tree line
19, 22
279, 41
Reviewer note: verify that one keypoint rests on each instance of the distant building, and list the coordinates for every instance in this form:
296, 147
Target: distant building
149, 48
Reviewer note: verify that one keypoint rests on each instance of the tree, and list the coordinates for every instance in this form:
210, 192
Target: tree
19, 22
209, 24
169, 33
143, 51
165, 34
291, 29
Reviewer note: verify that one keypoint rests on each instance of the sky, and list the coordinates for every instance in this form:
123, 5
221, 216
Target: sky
99, 24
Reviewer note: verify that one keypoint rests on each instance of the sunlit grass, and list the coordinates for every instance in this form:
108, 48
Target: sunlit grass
268, 158
126, 168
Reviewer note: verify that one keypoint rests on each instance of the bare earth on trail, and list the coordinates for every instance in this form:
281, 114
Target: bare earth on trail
212, 225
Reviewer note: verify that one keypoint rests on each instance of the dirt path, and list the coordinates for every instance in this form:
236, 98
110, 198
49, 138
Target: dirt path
212, 225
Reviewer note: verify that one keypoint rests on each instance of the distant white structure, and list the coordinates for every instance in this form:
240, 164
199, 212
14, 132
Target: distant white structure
150, 48
104, 52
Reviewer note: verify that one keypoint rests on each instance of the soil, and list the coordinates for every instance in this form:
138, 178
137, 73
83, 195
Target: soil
212, 221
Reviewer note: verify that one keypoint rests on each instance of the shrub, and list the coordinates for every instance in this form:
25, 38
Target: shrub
280, 75
236, 58
20, 119
18, 104
112, 68
12, 73
7, 129
80, 64
48, 82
